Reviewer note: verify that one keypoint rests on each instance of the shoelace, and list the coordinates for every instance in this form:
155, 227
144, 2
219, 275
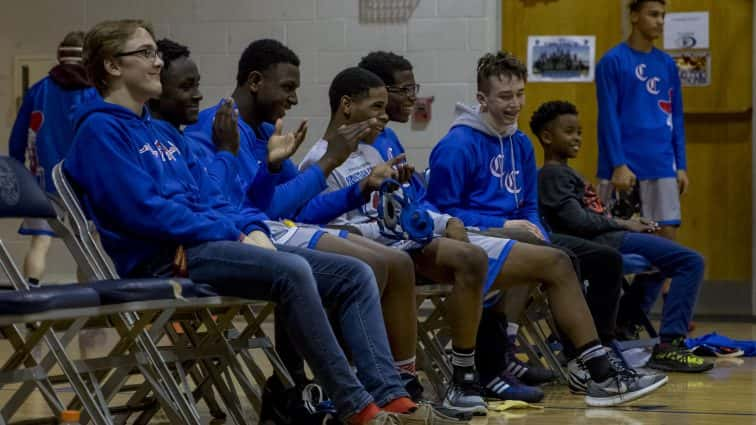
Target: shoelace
619, 365
618, 382
680, 352
681, 355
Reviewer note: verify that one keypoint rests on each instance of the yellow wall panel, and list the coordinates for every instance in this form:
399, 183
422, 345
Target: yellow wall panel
717, 211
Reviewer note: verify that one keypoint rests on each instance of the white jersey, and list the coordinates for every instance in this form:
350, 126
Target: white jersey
354, 169
365, 218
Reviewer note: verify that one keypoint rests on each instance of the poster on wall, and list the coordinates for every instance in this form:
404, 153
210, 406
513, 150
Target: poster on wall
688, 30
560, 59
694, 67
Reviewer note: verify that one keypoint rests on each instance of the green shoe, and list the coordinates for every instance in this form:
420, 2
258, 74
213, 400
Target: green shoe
675, 357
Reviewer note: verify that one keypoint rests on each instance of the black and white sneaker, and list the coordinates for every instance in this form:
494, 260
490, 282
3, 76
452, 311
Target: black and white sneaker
622, 387
464, 394
578, 377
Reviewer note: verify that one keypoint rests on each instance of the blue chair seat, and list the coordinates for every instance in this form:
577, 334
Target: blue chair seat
129, 290
50, 297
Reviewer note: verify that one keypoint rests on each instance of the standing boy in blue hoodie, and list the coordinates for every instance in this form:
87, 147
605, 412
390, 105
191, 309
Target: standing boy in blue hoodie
42, 135
149, 199
641, 131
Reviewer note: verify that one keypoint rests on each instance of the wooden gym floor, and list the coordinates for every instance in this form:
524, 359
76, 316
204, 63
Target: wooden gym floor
726, 395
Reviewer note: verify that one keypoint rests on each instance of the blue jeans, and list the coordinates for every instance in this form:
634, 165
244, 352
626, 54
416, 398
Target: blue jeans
302, 282
683, 265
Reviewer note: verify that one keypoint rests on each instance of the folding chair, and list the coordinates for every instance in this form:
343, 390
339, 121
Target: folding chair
251, 337
537, 328
20, 197
433, 335
632, 266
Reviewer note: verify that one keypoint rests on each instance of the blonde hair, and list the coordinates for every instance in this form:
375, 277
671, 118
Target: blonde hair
104, 41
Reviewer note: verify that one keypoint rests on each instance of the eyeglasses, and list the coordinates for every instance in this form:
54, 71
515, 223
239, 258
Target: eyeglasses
147, 53
411, 90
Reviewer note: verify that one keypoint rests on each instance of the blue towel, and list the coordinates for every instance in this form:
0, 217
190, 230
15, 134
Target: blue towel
714, 339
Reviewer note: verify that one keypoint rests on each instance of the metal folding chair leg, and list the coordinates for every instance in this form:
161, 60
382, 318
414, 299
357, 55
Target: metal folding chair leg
432, 338
540, 341
90, 252
22, 349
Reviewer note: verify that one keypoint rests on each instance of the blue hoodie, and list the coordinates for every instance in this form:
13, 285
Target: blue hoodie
388, 145
295, 195
143, 188
43, 129
640, 116
483, 178
223, 169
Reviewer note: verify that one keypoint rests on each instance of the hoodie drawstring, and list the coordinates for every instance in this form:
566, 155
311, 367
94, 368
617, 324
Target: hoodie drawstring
501, 154
514, 171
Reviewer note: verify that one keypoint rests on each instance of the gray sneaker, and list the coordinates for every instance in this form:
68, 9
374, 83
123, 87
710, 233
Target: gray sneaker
618, 362
578, 377
464, 395
622, 387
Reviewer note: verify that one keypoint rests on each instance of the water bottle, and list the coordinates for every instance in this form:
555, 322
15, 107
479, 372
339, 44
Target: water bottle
70, 417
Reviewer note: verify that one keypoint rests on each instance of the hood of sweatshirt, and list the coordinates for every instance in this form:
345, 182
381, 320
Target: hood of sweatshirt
470, 116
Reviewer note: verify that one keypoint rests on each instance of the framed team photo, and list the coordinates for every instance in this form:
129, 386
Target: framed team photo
559, 59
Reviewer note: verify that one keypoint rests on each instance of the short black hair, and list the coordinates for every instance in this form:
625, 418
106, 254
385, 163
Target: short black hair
502, 63
262, 54
171, 51
385, 64
635, 5
548, 112
354, 82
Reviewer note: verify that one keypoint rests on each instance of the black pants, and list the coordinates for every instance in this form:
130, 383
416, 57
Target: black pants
601, 266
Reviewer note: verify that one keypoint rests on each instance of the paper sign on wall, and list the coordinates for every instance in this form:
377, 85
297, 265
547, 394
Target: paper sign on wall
688, 30
694, 67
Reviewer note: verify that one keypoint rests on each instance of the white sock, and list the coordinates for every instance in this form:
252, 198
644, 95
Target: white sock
512, 328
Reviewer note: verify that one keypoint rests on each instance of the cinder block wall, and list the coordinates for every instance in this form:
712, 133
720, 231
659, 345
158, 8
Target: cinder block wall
443, 40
